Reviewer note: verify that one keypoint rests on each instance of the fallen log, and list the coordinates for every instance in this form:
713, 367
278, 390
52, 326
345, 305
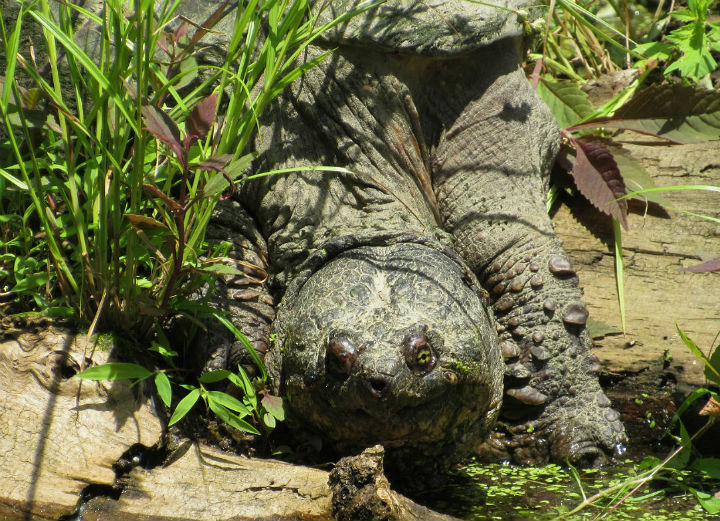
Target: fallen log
70, 447
656, 247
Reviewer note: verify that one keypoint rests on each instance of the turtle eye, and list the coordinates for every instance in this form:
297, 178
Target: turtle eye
419, 355
341, 355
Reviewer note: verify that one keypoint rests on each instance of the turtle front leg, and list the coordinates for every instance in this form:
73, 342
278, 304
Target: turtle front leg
490, 166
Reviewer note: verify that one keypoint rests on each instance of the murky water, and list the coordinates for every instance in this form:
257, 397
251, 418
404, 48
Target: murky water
509, 493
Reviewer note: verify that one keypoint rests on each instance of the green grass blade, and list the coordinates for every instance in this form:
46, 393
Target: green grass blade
699, 354
619, 271
240, 336
88, 64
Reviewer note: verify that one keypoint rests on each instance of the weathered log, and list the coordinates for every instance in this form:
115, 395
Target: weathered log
58, 434
67, 446
655, 248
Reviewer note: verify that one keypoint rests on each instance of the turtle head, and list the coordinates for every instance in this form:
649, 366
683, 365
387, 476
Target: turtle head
390, 345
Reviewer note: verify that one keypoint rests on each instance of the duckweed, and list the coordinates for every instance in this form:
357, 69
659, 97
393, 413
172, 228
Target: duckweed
483, 492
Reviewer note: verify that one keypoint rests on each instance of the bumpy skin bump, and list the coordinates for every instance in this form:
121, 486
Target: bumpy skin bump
394, 344
446, 136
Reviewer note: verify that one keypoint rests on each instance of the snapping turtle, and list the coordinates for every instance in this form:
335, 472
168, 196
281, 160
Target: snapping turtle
426, 287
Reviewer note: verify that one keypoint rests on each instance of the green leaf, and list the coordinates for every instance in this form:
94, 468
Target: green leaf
707, 501
114, 371
214, 376
221, 269
274, 405
709, 466
231, 419
675, 112
31, 282
269, 420
714, 373
684, 15
568, 103
714, 362
184, 406
635, 175
228, 401
245, 342
162, 383
242, 381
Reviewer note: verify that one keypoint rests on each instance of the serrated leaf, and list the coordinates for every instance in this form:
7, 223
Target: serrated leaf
675, 112
274, 405
711, 265
164, 128
684, 15
114, 371
568, 103
598, 178
228, 401
214, 376
201, 117
184, 406
162, 383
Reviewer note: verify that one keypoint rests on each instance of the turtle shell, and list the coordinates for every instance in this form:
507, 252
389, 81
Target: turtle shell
425, 27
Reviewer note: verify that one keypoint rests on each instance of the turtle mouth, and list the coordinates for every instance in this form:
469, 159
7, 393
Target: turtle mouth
436, 416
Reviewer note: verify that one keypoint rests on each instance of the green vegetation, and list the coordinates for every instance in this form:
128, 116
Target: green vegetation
672, 95
113, 161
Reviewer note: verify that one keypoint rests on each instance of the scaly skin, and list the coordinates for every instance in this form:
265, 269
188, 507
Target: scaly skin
460, 143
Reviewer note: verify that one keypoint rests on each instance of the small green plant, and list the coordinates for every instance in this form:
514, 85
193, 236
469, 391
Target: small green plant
687, 49
678, 472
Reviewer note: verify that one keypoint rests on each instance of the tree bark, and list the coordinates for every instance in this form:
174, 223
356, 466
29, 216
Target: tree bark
657, 245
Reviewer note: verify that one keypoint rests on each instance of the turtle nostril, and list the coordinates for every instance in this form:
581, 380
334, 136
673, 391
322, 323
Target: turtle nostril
379, 386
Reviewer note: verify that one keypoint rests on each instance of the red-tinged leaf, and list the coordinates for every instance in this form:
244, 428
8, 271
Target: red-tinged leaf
274, 405
711, 265
675, 112
143, 222
598, 178
201, 117
162, 42
164, 128
173, 205
181, 30
215, 184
